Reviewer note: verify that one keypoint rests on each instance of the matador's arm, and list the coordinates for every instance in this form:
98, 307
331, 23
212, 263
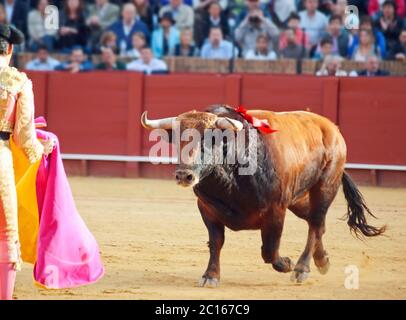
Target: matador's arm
24, 130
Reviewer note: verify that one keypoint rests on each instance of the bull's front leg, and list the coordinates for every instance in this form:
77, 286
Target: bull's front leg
211, 278
271, 232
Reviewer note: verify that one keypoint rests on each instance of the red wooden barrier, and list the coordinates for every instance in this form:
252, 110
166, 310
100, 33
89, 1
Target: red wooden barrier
98, 113
282, 92
40, 83
372, 117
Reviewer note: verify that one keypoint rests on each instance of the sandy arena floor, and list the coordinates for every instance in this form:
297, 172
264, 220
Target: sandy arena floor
153, 244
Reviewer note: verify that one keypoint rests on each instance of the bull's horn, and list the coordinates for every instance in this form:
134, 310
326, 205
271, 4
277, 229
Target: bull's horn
227, 123
164, 123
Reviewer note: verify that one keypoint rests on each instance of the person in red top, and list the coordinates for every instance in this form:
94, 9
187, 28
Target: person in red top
374, 7
301, 37
390, 24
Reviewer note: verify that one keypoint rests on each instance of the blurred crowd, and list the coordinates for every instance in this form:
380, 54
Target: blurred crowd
145, 31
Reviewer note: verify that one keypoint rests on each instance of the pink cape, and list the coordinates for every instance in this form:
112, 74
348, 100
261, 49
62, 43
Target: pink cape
67, 253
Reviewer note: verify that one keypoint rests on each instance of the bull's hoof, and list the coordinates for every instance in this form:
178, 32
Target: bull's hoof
208, 282
323, 268
299, 276
284, 264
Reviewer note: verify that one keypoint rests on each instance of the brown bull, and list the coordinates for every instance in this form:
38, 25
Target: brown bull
300, 167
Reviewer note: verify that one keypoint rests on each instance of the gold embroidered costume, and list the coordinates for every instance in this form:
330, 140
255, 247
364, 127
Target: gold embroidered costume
17, 120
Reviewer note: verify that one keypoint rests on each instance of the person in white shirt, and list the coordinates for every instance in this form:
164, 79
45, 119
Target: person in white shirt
37, 31
138, 41
313, 21
216, 47
147, 63
43, 61
332, 67
261, 51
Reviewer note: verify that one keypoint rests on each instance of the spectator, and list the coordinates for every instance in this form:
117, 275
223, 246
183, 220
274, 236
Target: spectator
73, 30
214, 18
292, 49
365, 47
42, 62
16, 13
301, 38
326, 48
127, 26
374, 5
145, 12
108, 40
389, 24
281, 10
339, 36
37, 31
216, 47
202, 23
77, 62
372, 68
166, 37
313, 21
339, 8
366, 23
147, 63
162, 3
399, 51
109, 61
3, 15
261, 51
326, 7
138, 42
182, 14
102, 14
253, 25
332, 67
205, 4
250, 5
185, 48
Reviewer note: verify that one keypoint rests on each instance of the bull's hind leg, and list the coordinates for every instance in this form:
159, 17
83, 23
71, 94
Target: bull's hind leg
320, 198
271, 232
211, 278
302, 209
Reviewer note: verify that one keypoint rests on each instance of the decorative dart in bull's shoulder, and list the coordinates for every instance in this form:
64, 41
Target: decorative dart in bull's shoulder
261, 124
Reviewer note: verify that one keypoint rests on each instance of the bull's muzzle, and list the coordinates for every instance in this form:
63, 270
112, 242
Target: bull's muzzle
185, 177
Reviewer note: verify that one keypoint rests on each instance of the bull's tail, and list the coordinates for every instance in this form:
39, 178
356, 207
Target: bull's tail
356, 209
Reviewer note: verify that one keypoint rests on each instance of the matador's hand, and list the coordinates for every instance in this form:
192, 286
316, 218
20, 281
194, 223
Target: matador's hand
49, 146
